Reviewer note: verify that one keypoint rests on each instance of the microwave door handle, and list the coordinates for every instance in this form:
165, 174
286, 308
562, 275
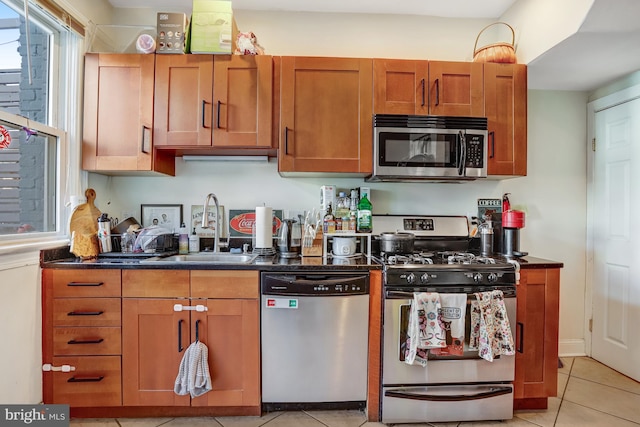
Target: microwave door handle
463, 153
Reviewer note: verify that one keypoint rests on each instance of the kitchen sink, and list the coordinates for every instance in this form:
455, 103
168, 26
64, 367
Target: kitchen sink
204, 258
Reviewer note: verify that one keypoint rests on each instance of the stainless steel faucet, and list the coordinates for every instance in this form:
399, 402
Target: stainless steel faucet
205, 220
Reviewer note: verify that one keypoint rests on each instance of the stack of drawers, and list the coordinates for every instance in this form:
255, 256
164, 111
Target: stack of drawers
86, 324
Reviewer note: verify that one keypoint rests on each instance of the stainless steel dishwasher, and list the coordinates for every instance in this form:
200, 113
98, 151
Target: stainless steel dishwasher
314, 340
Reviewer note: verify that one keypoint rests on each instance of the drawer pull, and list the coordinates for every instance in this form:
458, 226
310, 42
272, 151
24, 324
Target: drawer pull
85, 313
85, 379
48, 367
85, 283
97, 341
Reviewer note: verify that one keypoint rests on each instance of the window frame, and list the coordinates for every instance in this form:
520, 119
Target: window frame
65, 122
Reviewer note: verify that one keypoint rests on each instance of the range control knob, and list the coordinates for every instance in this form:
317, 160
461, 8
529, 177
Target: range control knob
477, 277
411, 278
492, 277
424, 278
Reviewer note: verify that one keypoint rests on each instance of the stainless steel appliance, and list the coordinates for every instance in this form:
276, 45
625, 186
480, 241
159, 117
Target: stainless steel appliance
451, 387
412, 148
314, 340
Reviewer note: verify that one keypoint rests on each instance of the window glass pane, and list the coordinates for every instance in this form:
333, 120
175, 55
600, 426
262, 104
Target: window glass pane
28, 170
24, 90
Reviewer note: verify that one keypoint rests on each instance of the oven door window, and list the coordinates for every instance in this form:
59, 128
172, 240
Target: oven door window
418, 149
451, 351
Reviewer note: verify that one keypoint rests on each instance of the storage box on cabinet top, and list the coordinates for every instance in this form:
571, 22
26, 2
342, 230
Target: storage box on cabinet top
171, 32
211, 27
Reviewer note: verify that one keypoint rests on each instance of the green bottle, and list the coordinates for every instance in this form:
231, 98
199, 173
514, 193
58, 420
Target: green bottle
364, 221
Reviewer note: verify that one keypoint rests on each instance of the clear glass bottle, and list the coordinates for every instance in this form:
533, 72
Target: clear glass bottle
342, 205
329, 223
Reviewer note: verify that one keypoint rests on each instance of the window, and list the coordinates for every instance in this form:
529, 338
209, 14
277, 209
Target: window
38, 63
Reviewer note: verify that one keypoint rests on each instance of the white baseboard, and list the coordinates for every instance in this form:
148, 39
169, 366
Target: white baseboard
572, 348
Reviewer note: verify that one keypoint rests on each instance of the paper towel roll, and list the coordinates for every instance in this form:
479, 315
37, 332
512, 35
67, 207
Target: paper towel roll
264, 227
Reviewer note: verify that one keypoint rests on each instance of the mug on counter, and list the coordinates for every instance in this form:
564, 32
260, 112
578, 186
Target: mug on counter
344, 246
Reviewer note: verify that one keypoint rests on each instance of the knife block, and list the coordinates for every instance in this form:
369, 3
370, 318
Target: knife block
315, 250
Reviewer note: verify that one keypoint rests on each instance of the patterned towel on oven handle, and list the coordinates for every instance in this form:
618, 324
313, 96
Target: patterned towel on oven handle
490, 328
425, 329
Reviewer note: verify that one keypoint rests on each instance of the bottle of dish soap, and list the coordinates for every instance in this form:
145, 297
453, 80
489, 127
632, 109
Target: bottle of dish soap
194, 242
183, 240
364, 220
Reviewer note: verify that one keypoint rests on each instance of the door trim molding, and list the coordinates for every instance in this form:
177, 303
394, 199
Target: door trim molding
617, 98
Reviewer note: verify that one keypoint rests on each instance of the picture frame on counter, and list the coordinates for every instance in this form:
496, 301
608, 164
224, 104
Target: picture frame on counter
166, 216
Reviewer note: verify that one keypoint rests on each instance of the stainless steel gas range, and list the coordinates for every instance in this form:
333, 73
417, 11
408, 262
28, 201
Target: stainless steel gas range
455, 383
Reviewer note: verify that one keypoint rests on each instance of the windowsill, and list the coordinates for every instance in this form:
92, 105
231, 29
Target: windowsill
31, 245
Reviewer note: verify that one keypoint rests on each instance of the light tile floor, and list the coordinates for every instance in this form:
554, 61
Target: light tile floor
589, 395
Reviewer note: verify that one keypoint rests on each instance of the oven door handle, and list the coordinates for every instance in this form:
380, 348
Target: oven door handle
484, 393
398, 295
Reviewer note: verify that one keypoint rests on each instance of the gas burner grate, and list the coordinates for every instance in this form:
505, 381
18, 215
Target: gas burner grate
466, 258
409, 259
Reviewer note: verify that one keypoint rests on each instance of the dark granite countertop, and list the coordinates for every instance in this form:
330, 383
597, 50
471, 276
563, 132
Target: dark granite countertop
530, 262
62, 258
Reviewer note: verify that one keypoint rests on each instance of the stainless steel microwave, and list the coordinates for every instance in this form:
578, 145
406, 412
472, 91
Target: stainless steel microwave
413, 148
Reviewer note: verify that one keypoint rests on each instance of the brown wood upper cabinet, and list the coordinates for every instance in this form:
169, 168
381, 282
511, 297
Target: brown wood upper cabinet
505, 104
219, 101
326, 115
118, 115
427, 87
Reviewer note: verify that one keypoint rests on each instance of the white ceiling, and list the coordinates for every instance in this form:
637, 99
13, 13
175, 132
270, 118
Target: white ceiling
605, 48
448, 8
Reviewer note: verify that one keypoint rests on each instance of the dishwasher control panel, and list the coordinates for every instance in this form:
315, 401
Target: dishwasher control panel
330, 284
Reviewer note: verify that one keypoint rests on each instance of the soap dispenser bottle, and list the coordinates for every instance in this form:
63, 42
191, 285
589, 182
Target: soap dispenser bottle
194, 241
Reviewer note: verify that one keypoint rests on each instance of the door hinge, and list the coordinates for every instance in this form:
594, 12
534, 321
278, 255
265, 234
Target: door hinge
593, 144
590, 325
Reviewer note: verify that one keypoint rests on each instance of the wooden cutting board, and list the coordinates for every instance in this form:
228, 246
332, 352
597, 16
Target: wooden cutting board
84, 227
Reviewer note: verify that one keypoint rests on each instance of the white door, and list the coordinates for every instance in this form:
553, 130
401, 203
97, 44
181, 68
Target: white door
616, 253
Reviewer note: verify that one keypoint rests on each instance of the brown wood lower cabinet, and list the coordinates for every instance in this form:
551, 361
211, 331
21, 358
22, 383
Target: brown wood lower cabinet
81, 330
155, 337
537, 334
124, 339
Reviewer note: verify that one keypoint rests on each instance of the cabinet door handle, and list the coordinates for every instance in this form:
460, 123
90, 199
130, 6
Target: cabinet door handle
142, 142
180, 348
85, 284
437, 92
520, 348
286, 140
218, 115
85, 313
85, 379
96, 341
197, 330
204, 115
423, 90
492, 135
